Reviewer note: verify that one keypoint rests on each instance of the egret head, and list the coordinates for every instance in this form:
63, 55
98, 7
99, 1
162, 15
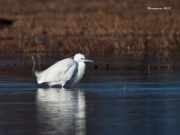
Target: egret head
81, 58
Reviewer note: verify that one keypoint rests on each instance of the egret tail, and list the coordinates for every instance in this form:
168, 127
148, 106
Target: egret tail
39, 76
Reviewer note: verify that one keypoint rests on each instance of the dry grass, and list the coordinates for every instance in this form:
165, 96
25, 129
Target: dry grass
79, 25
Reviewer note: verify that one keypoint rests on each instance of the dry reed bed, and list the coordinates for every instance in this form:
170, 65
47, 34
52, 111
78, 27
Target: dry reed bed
90, 47
83, 25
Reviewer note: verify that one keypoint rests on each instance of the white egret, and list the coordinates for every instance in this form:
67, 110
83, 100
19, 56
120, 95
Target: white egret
69, 70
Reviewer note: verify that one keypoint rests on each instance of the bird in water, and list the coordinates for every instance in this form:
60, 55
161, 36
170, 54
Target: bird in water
66, 71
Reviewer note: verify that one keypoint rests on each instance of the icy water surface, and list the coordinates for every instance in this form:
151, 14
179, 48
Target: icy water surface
127, 97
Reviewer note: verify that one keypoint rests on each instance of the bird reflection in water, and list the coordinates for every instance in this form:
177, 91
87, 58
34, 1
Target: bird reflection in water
61, 111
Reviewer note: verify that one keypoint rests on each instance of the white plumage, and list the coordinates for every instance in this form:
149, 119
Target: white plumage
65, 71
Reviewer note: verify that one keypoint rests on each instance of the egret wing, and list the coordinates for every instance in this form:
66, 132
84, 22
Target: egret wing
61, 71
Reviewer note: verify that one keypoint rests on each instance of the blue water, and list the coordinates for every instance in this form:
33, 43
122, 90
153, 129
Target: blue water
118, 101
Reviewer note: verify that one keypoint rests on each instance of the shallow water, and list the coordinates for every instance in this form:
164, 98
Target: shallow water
128, 98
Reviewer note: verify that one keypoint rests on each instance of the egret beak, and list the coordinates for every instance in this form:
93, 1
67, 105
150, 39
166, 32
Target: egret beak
86, 60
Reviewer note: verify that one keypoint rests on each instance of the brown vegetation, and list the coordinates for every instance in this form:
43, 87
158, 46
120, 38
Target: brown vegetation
120, 26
